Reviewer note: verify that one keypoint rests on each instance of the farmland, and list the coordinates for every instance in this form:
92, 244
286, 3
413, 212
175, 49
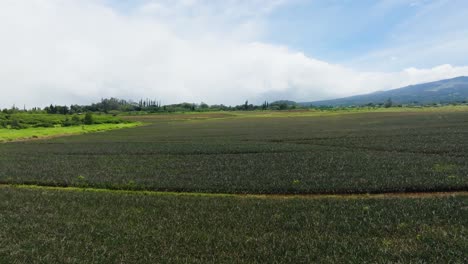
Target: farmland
104, 227
369, 152
261, 186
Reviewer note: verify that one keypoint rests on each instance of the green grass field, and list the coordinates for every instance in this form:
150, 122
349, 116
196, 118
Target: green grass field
7, 135
222, 156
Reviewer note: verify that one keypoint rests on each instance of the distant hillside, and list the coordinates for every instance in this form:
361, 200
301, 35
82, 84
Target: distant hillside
286, 102
443, 91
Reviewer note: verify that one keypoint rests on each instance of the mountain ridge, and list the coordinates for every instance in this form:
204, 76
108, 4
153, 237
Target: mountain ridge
441, 91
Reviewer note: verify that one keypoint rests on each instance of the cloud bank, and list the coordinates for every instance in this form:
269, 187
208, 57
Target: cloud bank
64, 51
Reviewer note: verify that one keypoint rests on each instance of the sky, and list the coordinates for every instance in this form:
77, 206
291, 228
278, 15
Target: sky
226, 51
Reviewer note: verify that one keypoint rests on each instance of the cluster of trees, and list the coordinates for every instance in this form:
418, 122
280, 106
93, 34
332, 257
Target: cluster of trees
58, 109
277, 105
106, 106
387, 104
22, 121
115, 105
75, 120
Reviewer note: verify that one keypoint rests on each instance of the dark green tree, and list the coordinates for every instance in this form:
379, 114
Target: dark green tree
388, 103
204, 105
88, 119
15, 124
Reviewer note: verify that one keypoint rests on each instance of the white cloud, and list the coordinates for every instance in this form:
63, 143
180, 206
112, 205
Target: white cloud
64, 51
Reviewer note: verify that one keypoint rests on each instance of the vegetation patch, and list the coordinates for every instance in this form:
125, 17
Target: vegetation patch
239, 187
369, 152
445, 167
9, 135
23, 120
50, 226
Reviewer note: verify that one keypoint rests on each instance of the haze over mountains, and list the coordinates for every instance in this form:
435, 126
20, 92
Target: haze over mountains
443, 91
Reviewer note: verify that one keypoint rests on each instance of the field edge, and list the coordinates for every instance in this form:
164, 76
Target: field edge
230, 195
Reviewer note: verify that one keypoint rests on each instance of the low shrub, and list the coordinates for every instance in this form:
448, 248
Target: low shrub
89, 119
44, 124
15, 124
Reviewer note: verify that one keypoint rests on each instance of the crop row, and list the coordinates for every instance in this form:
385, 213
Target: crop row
354, 153
40, 226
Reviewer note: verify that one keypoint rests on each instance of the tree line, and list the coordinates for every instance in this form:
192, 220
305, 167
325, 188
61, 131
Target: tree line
115, 106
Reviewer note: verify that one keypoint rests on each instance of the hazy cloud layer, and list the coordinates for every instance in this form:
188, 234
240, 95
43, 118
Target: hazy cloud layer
64, 51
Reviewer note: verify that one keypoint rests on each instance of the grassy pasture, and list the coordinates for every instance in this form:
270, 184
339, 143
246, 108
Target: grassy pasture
54, 226
258, 152
7, 135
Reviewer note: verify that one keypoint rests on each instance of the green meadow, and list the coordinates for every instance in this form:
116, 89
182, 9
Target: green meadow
44, 132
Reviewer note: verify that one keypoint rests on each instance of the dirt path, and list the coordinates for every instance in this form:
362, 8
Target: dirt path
258, 196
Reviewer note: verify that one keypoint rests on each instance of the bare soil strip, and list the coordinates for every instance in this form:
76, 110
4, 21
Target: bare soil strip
257, 196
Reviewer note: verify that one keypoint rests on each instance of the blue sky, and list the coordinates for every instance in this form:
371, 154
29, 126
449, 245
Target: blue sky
354, 32
229, 51
349, 31
336, 30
